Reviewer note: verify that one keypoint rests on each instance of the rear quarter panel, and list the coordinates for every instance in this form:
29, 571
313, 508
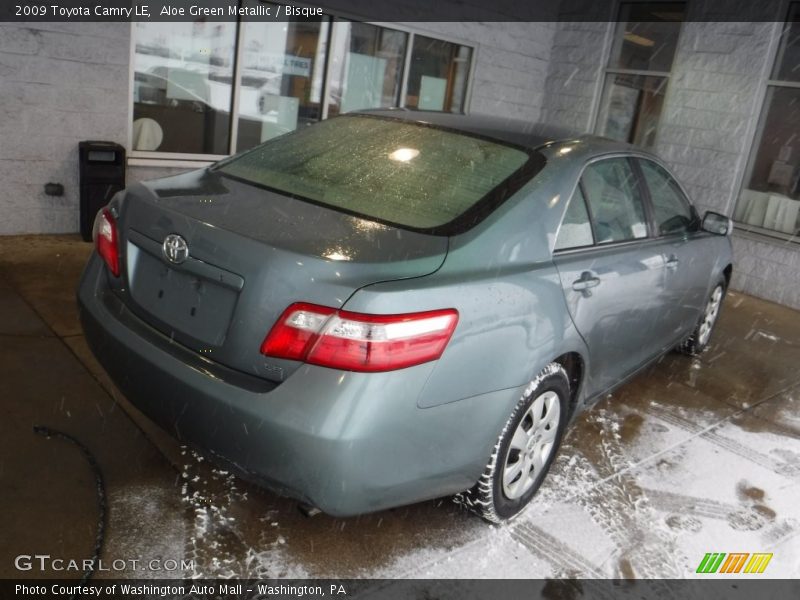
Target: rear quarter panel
500, 277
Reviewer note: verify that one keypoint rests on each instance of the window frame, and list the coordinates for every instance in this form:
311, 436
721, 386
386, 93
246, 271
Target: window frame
639, 185
653, 235
755, 132
335, 32
645, 195
578, 187
147, 158
694, 225
407, 67
607, 70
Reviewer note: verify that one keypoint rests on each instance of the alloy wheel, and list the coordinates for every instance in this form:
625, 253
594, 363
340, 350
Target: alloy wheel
710, 316
531, 445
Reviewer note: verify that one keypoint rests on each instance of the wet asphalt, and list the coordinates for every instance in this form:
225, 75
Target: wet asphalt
691, 456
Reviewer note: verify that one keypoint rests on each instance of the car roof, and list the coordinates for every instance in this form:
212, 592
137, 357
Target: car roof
528, 134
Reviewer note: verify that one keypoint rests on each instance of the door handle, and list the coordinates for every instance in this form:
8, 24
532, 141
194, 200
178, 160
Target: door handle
672, 262
586, 281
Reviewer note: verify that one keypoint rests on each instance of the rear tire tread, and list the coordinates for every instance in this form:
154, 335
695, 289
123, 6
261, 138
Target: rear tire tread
480, 498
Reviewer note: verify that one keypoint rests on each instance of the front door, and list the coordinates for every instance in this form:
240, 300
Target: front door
688, 258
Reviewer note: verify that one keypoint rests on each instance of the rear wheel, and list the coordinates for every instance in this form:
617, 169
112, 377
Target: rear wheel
696, 343
524, 450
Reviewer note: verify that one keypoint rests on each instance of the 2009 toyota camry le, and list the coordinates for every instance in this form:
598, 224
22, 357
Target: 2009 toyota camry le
392, 306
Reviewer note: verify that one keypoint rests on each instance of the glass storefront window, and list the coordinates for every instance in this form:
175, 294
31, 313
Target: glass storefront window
771, 196
281, 78
638, 71
631, 108
366, 68
182, 87
209, 89
789, 51
438, 75
769, 201
646, 36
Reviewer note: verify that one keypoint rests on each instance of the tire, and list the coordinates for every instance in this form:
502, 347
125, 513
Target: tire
697, 342
524, 450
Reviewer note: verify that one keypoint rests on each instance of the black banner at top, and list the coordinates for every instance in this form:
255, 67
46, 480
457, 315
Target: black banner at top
368, 10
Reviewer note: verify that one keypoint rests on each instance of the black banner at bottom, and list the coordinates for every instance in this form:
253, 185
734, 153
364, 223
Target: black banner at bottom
732, 588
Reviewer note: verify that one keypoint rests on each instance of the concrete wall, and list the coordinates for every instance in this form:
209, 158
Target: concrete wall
706, 134
711, 106
60, 83
768, 269
575, 73
707, 127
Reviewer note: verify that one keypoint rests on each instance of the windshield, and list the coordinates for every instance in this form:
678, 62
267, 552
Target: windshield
389, 170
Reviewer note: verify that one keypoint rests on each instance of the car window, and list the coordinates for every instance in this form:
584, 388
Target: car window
671, 209
397, 172
576, 230
615, 201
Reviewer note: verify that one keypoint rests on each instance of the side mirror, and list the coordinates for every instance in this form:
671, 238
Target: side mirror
717, 224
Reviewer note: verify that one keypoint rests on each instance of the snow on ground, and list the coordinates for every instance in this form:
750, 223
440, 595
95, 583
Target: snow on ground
689, 458
649, 507
154, 530
639, 490
643, 487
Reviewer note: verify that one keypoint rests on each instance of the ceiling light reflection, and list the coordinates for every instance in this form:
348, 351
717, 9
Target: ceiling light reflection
404, 154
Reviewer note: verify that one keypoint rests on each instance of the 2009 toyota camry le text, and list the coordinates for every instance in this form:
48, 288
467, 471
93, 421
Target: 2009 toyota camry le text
391, 306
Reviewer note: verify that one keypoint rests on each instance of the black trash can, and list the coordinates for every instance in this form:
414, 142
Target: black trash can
102, 174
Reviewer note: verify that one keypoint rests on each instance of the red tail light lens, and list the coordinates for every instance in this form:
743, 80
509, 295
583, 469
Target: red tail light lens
358, 342
104, 234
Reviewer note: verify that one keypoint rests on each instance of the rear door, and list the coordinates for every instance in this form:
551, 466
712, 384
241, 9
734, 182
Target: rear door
611, 270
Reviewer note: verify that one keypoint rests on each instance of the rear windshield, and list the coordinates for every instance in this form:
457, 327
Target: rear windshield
392, 171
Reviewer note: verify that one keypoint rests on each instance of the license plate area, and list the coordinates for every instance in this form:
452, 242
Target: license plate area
179, 300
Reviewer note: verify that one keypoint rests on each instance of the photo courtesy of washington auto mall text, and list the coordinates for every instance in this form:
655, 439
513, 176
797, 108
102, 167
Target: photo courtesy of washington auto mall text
186, 590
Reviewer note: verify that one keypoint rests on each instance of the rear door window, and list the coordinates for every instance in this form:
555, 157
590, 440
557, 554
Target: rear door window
615, 201
672, 211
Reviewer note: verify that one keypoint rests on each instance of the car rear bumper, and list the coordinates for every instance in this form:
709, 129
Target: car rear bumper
345, 442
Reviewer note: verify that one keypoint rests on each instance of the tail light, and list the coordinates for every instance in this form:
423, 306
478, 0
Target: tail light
105, 238
352, 341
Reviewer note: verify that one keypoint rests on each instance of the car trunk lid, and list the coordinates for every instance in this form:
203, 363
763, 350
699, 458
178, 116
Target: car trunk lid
251, 253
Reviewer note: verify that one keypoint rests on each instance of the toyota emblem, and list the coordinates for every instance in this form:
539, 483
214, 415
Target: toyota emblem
175, 249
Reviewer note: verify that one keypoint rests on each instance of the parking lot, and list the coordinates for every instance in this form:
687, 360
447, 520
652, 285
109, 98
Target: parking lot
692, 456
